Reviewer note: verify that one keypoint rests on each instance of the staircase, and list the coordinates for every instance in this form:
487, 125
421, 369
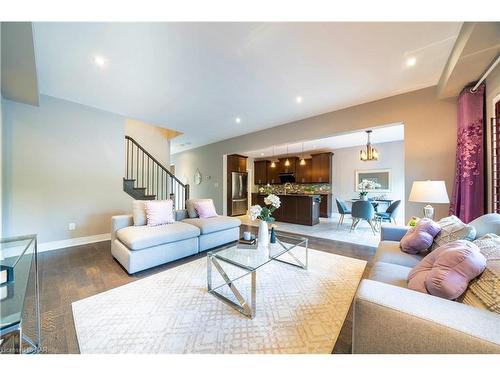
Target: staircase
147, 179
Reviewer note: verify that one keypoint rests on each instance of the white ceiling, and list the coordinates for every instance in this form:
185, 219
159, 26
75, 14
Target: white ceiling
387, 133
198, 77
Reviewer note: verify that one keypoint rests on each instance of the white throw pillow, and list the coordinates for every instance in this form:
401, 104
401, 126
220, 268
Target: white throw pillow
139, 212
489, 223
453, 229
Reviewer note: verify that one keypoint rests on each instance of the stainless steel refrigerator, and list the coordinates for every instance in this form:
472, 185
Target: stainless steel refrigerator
239, 191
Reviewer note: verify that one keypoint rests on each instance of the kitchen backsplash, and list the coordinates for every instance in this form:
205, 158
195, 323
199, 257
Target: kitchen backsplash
295, 189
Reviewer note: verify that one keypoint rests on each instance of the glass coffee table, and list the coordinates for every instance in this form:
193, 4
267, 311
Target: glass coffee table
249, 260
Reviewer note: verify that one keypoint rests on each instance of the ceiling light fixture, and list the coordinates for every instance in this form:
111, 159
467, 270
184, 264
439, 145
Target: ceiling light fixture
100, 61
298, 99
371, 152
302, 160
261, 154
411, 61
238, 120
287, 162
273, 164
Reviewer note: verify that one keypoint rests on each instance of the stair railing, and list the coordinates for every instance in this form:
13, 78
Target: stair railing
152, 176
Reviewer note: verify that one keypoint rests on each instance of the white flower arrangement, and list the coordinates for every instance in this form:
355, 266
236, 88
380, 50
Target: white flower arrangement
272, 201
368, 185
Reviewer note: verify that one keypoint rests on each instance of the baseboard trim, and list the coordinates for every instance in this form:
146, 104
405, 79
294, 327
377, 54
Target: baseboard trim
62, 244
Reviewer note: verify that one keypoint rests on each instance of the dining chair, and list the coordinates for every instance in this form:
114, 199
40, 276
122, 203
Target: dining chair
363, 210
343, 210
389, 214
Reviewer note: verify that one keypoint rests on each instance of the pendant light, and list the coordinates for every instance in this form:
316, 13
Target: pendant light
273, 164
302, 160
287, 162
371, 152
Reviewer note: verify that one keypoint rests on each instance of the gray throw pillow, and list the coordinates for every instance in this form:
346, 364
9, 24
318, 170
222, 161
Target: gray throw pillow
489, 223
453, 229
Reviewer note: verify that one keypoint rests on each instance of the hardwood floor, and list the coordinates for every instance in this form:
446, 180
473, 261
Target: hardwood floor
71, 274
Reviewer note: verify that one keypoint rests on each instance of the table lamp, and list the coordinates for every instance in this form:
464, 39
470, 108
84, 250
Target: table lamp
429, 192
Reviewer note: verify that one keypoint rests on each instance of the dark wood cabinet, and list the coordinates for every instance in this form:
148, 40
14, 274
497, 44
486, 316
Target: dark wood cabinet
236, 163
322, 168
273, 174
303, 173
283, 168
298, 209
260, 168
325, 207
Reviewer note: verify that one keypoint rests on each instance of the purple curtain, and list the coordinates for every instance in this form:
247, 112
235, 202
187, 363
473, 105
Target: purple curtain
468, 190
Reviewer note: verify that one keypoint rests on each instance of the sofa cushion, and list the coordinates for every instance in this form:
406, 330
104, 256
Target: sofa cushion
453, 229
390, 274
191, 209
489, 223
214, 224
139, 212
137, 238
390, 252
420, 237
447, 271
484, 291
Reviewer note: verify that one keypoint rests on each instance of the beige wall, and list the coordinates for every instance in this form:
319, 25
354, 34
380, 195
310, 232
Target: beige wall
153, 138
346, 162
63, 163
1, 137
430, 141
492, 92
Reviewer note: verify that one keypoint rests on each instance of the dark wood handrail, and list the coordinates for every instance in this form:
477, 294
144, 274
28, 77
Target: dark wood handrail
154, 159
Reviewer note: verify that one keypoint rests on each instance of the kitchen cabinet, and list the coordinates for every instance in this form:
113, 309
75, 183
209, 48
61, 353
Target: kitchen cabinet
325, 207
273, 174
303, 173
236, 163
260, 168
287, 169
322, 168
295, 208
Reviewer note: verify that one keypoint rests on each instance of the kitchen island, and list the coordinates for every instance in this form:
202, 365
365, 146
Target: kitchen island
295, 208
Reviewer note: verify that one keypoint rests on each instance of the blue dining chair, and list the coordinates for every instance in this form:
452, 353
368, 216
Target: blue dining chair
389, 214
363, 210
343, 210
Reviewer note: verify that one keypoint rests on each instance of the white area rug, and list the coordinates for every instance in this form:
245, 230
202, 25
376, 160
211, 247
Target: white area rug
328, 228
298, 311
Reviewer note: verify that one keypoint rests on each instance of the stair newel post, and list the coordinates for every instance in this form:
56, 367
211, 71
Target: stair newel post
186, 191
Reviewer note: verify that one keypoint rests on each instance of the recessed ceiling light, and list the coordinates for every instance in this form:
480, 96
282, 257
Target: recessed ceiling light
238, 120
411, 61
298, 99
261, 154
100, 61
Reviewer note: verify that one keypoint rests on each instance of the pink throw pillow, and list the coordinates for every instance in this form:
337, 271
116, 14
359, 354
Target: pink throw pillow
420, 237
159, 212
205, 209
447, 271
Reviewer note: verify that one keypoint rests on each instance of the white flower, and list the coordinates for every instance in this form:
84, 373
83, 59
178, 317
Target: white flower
368, 185
255, 212
273, 200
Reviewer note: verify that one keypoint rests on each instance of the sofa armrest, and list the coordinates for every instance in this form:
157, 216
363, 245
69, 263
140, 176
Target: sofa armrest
392, 233
391, 319
181, 215
119, 222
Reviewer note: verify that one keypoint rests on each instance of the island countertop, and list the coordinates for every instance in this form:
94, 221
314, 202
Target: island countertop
295, 208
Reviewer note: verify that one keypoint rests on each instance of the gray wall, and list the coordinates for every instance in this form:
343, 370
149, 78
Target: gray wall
430, 141
1, 136
62, 162
346, 162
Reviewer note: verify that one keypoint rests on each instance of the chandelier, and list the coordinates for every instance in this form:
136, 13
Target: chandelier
371, 152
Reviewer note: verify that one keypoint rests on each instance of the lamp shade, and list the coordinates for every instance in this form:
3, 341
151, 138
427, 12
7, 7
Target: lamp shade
429, 192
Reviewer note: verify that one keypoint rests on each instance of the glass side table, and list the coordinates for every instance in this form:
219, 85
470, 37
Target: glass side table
19, 295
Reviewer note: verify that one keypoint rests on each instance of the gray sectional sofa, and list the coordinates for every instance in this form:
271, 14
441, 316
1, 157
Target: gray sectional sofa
390, 318
141, 247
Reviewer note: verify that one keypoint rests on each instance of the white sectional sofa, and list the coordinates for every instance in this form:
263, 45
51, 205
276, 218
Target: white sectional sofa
139, 247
